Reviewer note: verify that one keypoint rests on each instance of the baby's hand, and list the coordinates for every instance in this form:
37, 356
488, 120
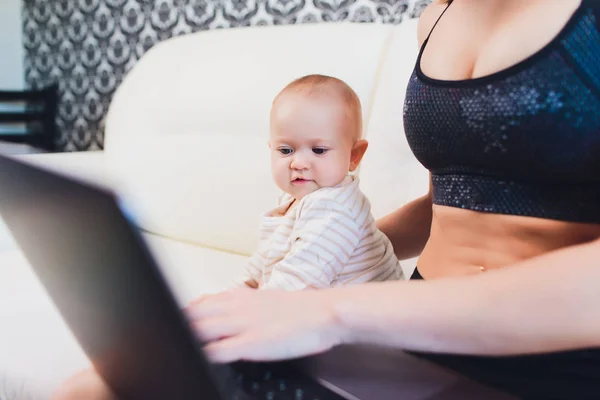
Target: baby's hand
252, 284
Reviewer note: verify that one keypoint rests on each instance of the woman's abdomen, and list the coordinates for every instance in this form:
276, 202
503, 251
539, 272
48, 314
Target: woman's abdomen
464, 242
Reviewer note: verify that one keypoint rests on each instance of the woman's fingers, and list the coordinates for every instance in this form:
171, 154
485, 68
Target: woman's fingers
248, 346
231, 349
256, 346
211, 304
246, 324
200, 299
215, 328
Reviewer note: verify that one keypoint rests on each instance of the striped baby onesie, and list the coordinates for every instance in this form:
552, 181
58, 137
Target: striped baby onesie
327, 239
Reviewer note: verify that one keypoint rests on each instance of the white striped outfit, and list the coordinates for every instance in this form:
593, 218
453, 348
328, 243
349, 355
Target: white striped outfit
326, 239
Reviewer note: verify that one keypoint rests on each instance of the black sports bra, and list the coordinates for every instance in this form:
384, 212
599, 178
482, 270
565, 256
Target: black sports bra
522, 141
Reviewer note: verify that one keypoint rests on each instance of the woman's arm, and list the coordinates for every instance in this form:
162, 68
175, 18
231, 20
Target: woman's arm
408, 227
549, 303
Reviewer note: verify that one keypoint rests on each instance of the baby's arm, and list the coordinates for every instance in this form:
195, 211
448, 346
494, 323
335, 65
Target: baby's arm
324, 237
253, 272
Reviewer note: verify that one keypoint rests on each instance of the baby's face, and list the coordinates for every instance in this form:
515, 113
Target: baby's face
310, 144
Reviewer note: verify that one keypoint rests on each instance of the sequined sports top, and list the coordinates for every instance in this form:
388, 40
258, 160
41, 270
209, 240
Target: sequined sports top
522, 141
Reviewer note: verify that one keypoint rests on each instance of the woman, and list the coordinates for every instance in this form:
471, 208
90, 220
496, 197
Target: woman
503, 109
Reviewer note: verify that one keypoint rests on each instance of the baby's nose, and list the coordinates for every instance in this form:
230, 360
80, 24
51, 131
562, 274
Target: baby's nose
299, 162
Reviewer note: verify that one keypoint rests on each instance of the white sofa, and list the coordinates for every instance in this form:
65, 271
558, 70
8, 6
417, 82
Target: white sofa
186, 149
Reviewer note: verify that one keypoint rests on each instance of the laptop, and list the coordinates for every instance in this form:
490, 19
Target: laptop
96, 268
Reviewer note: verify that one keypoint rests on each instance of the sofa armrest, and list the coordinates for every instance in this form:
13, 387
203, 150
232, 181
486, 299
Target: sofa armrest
89, 165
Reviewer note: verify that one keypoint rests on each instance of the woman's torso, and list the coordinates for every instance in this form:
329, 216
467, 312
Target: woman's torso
534, 205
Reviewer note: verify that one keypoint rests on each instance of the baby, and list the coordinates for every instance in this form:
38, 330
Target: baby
322, 233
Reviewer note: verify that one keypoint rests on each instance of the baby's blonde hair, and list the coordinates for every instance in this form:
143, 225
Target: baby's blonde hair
315, 85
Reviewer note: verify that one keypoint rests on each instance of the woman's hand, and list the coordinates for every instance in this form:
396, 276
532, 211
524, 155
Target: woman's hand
246, 324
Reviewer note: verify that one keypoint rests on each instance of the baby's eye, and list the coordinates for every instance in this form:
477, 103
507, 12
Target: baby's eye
285, 150
319, 150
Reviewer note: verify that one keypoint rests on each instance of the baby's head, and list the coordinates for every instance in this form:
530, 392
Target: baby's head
315, 137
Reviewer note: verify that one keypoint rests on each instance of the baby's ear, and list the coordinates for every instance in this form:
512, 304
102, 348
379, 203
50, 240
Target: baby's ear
358, 151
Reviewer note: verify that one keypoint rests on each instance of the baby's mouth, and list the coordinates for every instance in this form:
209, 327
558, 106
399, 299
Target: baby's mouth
300, 181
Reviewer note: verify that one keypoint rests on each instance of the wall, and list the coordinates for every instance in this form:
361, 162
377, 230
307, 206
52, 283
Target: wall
89, 45
11, 46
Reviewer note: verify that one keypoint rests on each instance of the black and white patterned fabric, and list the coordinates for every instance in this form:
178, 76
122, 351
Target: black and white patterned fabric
88, 46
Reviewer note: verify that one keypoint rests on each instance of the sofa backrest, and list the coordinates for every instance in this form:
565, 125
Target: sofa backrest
187, 129
390, 174
225, 80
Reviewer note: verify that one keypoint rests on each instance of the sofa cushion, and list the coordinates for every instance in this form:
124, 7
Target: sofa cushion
225, 80
37, 348
194, 270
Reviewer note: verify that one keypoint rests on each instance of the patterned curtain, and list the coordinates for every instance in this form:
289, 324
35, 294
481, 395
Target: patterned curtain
88, 46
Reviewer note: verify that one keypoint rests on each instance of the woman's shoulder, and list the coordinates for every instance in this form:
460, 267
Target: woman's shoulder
428, 18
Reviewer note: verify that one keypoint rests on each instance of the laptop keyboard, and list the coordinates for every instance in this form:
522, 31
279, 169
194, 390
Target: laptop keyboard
249, 381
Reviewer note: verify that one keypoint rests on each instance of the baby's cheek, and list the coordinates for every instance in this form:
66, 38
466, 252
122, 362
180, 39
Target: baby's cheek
280, 166
336, 171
